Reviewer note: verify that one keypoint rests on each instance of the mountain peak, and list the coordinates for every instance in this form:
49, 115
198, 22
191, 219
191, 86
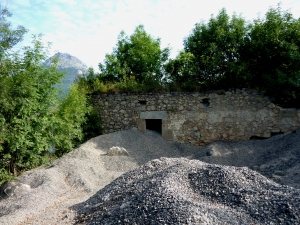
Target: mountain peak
63, 55
66, 60
70, 65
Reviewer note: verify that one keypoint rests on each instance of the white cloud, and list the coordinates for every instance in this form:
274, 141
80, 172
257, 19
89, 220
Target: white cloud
89, 29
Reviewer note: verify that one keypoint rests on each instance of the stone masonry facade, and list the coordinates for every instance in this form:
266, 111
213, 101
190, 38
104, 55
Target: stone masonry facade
198, 118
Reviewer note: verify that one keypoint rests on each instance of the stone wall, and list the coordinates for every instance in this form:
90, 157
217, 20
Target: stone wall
198, 118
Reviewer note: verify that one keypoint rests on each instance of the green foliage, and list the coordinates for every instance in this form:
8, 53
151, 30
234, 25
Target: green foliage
182, 72
93, 84
25, 98
216, 50
9, 36
71, 113
33, 119
93, 126
272, 52
89, 84
138, 56
136, 64
232, 53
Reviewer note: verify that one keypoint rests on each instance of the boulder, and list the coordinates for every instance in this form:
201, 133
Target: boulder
117, 151
13, 188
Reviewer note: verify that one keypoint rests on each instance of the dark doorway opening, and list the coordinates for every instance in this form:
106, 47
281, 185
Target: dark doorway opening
154, 124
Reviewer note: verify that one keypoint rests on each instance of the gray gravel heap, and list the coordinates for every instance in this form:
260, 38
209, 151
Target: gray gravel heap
182, 191
58, 192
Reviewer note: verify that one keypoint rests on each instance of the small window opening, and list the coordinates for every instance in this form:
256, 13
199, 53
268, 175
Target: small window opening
143, 102
276, 133
154, 124
205, 102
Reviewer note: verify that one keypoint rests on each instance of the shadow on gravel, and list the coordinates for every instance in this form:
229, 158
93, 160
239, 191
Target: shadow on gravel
277, 158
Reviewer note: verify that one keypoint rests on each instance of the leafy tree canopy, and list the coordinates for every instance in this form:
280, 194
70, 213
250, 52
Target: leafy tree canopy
139, 56
8, 36
182, 72
272, 53
216, 48
232, 53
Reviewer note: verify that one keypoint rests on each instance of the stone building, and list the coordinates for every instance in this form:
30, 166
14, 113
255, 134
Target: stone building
197, 118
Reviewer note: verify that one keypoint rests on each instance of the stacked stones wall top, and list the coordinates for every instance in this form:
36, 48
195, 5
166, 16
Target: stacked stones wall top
199, 118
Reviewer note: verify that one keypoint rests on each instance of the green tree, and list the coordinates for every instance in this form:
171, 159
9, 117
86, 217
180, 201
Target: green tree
272, 54
26, 97
34, 120
68, 119
216, 48
139, 55
182, 73
8, 36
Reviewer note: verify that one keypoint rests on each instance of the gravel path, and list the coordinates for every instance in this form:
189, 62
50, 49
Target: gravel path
60, 193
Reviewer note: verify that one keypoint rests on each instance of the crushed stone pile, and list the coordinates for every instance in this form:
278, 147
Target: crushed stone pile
183, 191
59, 193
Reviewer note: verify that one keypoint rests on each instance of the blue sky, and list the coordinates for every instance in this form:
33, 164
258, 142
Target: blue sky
88, 29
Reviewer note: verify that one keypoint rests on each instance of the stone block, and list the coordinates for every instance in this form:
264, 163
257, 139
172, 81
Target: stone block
141, 124
266, 134
167, 134
287, 122
13, 188
154, 115
288, 112
166, 121
117, 151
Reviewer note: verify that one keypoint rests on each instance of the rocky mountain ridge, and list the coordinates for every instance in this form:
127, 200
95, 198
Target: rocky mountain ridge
68, 64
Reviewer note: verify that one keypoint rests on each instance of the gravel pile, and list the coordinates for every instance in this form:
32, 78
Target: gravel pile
277, 158
182, 191
194, 189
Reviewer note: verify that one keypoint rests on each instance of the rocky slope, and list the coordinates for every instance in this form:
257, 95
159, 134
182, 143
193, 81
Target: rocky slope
71, 65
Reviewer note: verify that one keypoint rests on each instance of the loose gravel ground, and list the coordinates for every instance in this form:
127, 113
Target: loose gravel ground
182, 191
239, 182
